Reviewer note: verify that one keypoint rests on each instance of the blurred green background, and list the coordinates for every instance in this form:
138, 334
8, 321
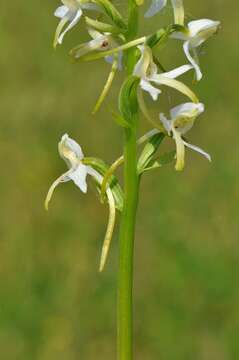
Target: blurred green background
53, 303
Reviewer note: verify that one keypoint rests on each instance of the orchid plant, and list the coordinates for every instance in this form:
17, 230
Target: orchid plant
114, 38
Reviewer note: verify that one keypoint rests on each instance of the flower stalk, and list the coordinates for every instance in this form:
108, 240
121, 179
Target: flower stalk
127, 229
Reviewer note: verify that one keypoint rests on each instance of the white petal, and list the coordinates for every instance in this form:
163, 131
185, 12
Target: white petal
187, 109
153, 91
177, 72
143, 63
79, 177
200, 25
70, 145
155, 7
61, 11
199, 150
71, 25
97, 176
186, 47
166, 123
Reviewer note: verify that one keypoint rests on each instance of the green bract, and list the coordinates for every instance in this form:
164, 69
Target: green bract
128, 102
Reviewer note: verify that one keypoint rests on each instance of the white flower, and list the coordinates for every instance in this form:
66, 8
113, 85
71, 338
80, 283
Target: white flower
146, 70
198, 32
99, 42
181, 121
70, 151
158, 5
70, 11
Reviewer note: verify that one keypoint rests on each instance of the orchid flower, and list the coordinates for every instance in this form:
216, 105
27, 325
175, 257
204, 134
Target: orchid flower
158, 5
146, 70
70, 11
71, 152
182, 120
197, 32
100, 42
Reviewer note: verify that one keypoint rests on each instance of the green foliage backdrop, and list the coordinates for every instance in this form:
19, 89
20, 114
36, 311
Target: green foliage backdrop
53, 303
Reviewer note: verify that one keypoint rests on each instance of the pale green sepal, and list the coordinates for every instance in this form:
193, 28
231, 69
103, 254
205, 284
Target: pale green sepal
178, 10
149, 151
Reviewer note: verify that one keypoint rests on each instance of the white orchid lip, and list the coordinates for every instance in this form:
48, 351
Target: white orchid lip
181, 120
71, 152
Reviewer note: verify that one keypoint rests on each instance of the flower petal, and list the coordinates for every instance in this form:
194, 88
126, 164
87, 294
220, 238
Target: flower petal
59, 28
155, 7
62, 178
199, 150
166, 123
187, 109
196, 26
79, 177
153, 91
61, 11
71, 25
177, 85
180, 149
177, 72
67, 146
186, 47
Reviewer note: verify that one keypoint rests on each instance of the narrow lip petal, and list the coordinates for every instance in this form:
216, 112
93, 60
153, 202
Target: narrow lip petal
62, 178
75, 20
180, 150
186, 47
198, 149
175, 84
155, 7
109, 230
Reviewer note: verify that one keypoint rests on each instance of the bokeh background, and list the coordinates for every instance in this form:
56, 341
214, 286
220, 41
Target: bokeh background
53, 302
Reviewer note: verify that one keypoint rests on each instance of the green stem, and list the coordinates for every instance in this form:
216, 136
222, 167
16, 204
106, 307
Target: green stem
127, 230
125, 286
